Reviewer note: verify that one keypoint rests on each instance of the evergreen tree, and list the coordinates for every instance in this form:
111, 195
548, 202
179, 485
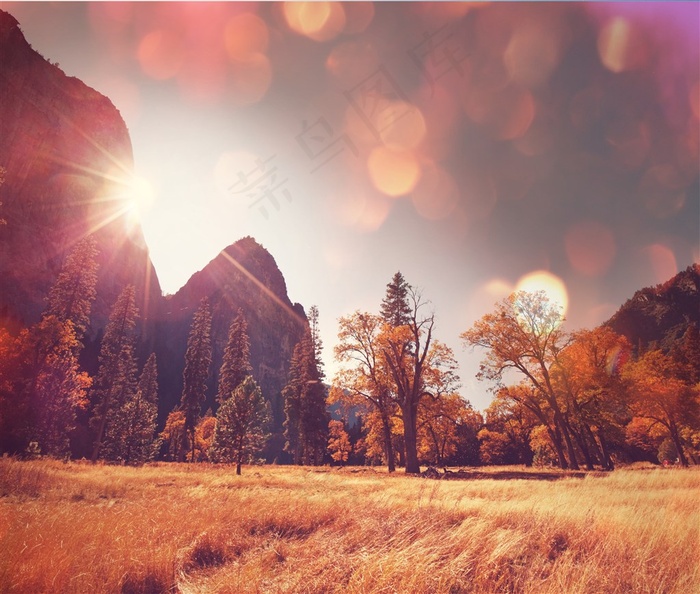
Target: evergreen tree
306, 423
116, 377
291, 393
316, 338
241, 424
235, 366
396, 308
139, 417
74, 291
197, 362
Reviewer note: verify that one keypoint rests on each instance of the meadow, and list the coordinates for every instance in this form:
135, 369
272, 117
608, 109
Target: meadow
74, 528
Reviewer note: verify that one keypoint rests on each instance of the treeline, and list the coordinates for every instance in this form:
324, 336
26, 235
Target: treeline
568, 399
50, 406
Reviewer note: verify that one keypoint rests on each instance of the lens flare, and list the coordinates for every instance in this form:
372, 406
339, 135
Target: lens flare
160, 54
436, 194
662, 261
401, 125
245, 35
320, 21
393, 173
552, 285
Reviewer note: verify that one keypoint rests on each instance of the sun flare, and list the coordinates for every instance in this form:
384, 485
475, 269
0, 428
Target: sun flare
553, 286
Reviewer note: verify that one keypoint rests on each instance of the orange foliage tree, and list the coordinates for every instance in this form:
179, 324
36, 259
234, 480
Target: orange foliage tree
660, 397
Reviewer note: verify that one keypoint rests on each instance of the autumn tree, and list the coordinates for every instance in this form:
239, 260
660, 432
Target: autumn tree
364, 380
439, 421
57, 388
174, 437
524, 334
505, 438
235, 366
659, 396
241, 425
41, 385
339, 445
418, 366
115, 383
196, 373
204, 437
587, 375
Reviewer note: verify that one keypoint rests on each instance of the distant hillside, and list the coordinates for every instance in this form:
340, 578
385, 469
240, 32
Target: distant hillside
658, 316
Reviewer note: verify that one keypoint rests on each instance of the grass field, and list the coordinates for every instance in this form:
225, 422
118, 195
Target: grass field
176, 528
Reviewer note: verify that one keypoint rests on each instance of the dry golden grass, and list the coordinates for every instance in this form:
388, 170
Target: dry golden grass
176, 528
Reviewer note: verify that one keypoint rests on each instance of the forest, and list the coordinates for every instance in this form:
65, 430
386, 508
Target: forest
574, 400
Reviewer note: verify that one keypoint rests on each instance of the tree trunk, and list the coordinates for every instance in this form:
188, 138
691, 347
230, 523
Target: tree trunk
555, 436
607, 460
238, 468
561, 421
583, 446
679, 447
410, 442
388, 445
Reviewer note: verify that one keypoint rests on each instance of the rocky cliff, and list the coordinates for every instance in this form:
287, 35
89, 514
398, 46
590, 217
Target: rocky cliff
659, 316
68, 170
245, 276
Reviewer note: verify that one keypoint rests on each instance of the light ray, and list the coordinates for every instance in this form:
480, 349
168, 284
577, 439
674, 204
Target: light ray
263, 288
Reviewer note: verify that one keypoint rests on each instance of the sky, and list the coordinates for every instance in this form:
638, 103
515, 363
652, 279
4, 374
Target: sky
478, 148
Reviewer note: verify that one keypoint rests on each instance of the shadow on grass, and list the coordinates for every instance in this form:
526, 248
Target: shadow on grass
506, 475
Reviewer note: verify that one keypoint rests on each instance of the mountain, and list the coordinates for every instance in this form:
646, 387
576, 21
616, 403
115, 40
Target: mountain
245, 276
660, 315
68, 171
67, 160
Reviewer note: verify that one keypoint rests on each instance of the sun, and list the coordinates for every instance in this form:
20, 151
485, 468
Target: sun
139, 196
552, 285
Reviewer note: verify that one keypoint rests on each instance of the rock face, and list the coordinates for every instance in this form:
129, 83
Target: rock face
245, 276
660, 315
68, 162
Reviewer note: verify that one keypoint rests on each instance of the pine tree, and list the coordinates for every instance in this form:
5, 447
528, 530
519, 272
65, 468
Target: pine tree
73, 293
306, 423
197, 362
241, 424
395, 308
116, 378
139, 416
235, 366
291, 393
